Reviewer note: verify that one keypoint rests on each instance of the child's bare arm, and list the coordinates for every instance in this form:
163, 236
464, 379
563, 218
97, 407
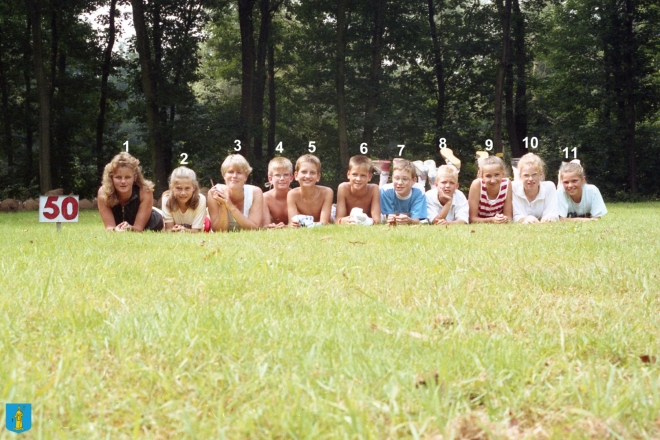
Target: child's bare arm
266, 218
327, 206
473, 202
144, 210
342, 211
292, 207
375, 203
508, 204
253, 219
217, 211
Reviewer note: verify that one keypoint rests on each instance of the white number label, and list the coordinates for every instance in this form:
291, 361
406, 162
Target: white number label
279, 148
443, 143
533, 142
184, 160
363, 148
126, 145
238, 145
312, 146
58, 208
401, 147
574, 150
489, 144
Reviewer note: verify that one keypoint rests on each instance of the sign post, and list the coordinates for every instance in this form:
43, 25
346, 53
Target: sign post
58, 209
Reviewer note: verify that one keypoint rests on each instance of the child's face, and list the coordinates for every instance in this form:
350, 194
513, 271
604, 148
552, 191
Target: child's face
359, 177
235, 177
403, 182
572, 184
308, 174
492, 175
280, 178
446, 184
123, 179
182, 189
531, 177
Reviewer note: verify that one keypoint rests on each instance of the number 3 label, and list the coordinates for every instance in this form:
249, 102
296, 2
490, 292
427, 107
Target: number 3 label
58, 208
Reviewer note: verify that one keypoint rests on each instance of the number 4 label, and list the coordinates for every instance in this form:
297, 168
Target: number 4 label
58, 209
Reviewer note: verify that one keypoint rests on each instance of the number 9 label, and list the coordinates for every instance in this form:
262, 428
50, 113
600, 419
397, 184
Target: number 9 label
58, 209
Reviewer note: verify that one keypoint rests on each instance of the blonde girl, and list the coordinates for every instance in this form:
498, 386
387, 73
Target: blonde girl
235, 205
489, 198
534, 199
126, 199
184, 208
576, 199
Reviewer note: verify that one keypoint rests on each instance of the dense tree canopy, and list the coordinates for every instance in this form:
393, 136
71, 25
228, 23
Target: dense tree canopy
204, 78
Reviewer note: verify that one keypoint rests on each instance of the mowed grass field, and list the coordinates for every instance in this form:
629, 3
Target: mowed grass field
479, 331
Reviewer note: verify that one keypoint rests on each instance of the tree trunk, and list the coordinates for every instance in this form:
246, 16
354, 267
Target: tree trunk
272, 104
520, 111
105, 73
260, 79
45, 179
245, 8
373, 87
151, 96
6, 116
340, 79
505, 17
439, 73
628, 62
27, 110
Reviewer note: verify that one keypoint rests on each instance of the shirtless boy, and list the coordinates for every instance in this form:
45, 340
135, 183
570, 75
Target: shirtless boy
309, 199
280, 176
358, 192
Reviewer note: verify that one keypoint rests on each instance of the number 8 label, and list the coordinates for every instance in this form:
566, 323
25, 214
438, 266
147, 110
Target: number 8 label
58, 209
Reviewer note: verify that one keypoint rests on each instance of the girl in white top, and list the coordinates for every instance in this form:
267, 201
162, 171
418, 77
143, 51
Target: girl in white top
534, 200
576, 199
184, 207
235, 205
445, 204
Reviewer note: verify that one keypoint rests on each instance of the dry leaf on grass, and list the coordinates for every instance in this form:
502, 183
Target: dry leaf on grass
647, 359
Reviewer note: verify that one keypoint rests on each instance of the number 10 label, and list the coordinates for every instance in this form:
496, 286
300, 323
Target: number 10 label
58, 208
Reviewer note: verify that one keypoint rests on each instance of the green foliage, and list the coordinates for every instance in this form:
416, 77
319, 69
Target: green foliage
335, 331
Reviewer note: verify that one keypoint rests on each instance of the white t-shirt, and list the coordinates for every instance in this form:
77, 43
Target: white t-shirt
192, 218
459, 210
543, 207
591, 205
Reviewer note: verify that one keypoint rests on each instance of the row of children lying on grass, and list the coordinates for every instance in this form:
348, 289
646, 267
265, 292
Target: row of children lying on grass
125, 199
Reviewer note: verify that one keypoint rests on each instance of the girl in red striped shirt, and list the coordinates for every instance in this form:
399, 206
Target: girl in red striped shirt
490, 193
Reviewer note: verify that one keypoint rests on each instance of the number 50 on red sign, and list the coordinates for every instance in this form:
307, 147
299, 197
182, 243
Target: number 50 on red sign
58, 208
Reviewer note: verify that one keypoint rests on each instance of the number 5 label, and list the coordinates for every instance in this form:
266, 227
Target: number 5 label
58, 208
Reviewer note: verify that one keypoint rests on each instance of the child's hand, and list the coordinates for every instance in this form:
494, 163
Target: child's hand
444, 199
178, 228
348, 220
391, 220
529, 220
500, 218
280, 225
441, 221
403, 219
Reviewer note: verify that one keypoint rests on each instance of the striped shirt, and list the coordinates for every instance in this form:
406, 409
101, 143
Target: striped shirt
488, 207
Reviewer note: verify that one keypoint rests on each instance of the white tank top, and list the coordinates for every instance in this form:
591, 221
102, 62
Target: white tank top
247, 204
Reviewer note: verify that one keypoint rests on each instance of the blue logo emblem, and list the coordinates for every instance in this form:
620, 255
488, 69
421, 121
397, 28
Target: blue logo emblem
18, 417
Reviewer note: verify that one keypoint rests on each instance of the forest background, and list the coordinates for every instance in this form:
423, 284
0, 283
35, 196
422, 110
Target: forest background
194, 79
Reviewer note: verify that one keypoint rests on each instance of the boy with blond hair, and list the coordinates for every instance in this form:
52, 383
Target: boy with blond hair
309, 199
280, 176
401, 203
358, 198
445, 204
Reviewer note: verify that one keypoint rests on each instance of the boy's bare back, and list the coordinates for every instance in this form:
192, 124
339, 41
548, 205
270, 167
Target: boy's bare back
318, 204
368, 201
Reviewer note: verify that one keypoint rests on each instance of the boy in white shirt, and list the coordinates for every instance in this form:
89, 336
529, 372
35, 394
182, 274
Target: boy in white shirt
445, 204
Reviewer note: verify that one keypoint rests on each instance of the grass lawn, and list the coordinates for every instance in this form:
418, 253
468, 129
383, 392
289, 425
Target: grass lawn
478, 331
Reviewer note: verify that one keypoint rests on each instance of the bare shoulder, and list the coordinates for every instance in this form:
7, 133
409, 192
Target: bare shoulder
325, 190
343, 188
293, 194
269, 194
146, 194
476, 183
373, 188
256, 190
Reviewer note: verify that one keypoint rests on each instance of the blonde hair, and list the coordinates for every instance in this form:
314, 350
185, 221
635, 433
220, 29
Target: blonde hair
572, 167
492, 160
237, 161
122, 160
532, 160
404, 165
446, 170
308, 158
361, 161
278, 163
180, 174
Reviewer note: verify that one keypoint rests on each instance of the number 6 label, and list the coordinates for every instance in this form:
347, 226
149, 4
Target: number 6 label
58, 208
